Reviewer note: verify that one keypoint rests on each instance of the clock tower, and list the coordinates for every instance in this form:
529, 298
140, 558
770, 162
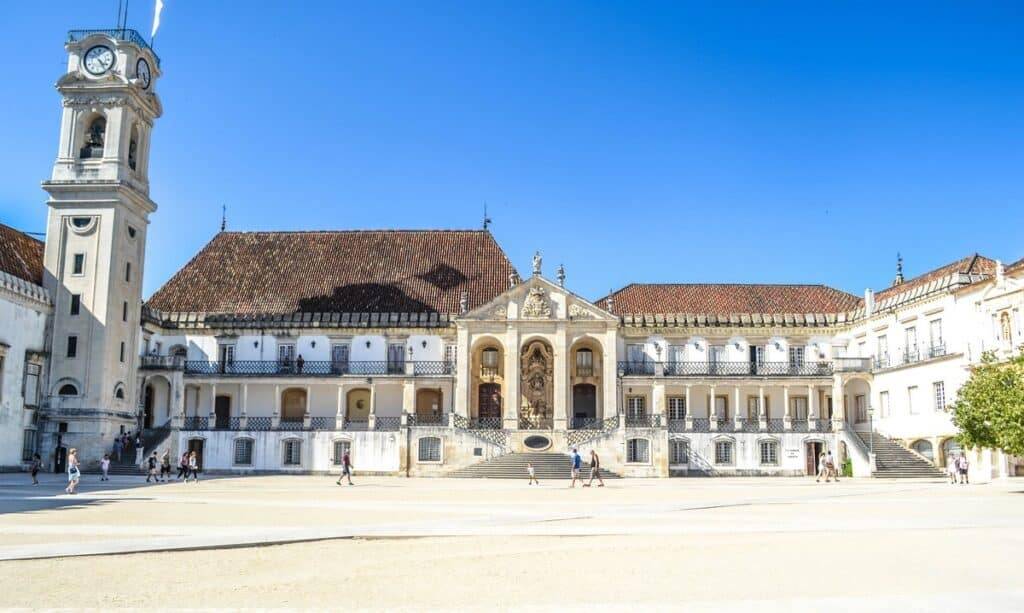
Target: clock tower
99, 208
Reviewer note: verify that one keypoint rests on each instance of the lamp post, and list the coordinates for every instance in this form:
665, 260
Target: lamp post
871, 430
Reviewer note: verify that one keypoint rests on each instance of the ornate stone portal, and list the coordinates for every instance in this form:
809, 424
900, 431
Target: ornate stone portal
537, 408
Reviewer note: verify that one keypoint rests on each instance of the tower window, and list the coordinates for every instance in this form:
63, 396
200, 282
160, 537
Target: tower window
76, 304
133, 148
122, 352
72, 346
127, 272
78, 264
124, 311
94, 139
80, 222
68, 389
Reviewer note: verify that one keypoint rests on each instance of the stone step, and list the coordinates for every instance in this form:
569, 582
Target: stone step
513, 466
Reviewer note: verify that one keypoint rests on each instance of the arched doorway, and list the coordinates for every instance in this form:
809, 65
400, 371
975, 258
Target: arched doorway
293, 404
428, 405
147, 407
950, 451
924, 448
487, 370
584, 404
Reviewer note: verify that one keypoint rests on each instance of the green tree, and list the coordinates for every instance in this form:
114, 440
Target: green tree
989, 411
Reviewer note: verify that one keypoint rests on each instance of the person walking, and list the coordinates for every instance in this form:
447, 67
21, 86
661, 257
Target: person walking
37, 463
117, 448
951, 469
139, 450
576, 462
595, 470
193, 467
962, 467
183, 467
530, 470
346, 468
821, 468
165, 466
152, 463
830, 466
74, 474
105, 467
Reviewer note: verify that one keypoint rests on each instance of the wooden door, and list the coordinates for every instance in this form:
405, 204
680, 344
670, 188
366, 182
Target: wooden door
489, 401
222, 412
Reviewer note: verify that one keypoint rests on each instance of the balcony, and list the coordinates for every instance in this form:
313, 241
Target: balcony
123, 34
909, 356
643, 367
315, 368
161, 362
726, 369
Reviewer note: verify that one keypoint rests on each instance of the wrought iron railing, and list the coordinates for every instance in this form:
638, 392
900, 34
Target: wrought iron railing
125, 34
324, 422
357, 425
313, 368
585, 423
799, 425
161, 362
291, 424
608, 426
643, 367
427, 420
387, 424
643, 421
483, 423
937, 350
911, 355
529, 422
701, 424
195, 423
725, 425
677, 425
259, 423
776, 425
433, 368
742, 369
881, 361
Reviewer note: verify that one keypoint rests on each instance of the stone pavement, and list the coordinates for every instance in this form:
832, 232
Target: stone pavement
707, 531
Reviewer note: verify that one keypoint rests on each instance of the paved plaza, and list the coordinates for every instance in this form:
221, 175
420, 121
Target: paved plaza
711, 544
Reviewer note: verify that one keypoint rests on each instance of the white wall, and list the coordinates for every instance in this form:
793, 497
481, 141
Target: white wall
22, 327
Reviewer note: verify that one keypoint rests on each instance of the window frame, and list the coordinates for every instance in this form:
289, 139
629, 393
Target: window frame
634, 449
725, 444
631, 409
939, 396
673, 452
772, 446
286, 457
78, 264
911, 392
337, 457
884, 404
432, 448
71, 347
252, 451
676, 406
75, 306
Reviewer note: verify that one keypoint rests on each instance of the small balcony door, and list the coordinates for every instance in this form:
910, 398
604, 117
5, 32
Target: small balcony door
226, 357
222, 412
339, 358
911, 344
285, 357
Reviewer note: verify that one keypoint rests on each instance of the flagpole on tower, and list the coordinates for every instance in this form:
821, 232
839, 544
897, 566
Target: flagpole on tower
156, 21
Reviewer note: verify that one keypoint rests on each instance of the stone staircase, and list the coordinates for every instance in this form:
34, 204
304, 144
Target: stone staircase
153, 438
894, 461
513, 466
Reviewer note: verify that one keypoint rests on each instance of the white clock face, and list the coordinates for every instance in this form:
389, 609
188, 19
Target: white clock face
142, 72
99, 59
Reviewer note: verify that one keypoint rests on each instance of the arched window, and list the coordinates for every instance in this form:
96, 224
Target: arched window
489, 362
638, 451
429, 449
293, 404
924, 448
584, 363
95, 136
68, 389
679, 451
133, 148
243, 451
950, 450
119, 391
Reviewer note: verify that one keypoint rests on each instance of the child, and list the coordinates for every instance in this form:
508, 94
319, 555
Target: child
105, 467
533, 476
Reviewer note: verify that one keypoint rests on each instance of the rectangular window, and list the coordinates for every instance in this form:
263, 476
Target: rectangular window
78, 264
72, 346
243, 452
883, 404
285, 356
883, 351
584, 363
798, 405
226, 354
677, 354
122, 352
637, 451
716, 354
339, 357
939, 388
935, 332
340, 449
30, 391
292, 453
910, 339
912, 406
722, 407
796, 355
769, 453
429, 449
451, 354
723, 452
76, 304
28, 445
753, 407
636, 406
679, 452
127, 272
635, 353
860, 405
124, 311
862, 349
677, 407
396, 358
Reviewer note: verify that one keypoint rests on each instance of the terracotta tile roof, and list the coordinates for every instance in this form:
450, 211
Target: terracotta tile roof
973, 264
728, 298
1016, 266
21, 255
364, 271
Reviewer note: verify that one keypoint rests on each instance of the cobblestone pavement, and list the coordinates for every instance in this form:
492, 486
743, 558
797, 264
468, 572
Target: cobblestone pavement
440, 543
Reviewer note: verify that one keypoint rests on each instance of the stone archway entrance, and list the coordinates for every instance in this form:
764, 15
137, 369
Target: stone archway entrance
537, 385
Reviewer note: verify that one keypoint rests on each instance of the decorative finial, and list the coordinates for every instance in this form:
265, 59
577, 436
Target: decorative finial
561, 275
223, 217
536, 263
611, 301
464, 302
899, 270
487, 220
513, 279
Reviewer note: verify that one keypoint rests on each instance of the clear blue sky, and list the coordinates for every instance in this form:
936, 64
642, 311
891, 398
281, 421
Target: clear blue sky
742, 142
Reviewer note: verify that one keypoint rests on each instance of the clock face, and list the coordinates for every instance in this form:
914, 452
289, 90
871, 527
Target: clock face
142, 71
99, 59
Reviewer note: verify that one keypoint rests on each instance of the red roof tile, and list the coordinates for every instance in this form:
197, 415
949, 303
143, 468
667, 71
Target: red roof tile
972, 264
364, 271
728, 298
21, 255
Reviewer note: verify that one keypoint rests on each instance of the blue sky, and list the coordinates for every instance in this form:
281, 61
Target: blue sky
740, 142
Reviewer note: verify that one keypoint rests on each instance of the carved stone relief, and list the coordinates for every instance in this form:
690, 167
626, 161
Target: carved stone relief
536, 305
537, 382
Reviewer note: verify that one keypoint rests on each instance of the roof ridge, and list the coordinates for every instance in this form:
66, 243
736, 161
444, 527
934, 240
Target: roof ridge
360, 230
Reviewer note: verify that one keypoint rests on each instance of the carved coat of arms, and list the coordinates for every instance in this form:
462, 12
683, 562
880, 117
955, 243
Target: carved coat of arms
536, 305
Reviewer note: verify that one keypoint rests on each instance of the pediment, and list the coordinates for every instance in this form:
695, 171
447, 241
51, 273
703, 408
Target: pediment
538, 299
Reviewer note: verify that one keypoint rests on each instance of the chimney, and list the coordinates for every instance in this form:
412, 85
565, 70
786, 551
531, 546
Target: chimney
869, 302
1000, 272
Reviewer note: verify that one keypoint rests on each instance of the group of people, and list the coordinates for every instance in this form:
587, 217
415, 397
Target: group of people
577, 466
827, 468
957, 469
126, 443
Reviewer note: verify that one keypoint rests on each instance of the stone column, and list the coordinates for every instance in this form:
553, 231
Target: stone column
275, 420
339, 415
463, 381
177, 399
609, 377
510, 395
409, 398
372, 420
213, 403
689, 411
307, 416
736, 409
787, 412
658, 401
812, 407
243, 396
561, 376
762, 410
712, 416
838, 406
